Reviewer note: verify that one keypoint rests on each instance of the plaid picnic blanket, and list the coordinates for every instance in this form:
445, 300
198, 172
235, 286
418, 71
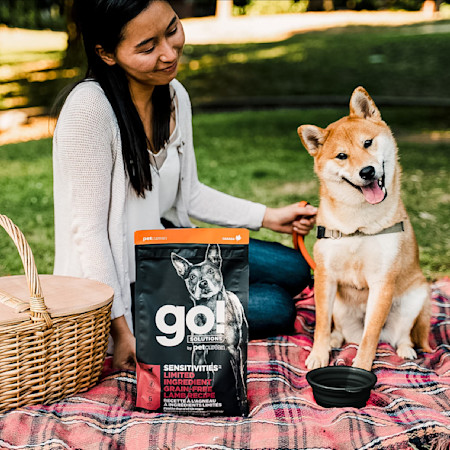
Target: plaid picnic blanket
409, 408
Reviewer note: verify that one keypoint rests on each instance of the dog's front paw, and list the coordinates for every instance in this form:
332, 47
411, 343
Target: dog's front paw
362, 363
317, 358
406, 351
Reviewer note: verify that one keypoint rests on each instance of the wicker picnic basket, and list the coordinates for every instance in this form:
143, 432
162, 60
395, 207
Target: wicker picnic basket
54, 348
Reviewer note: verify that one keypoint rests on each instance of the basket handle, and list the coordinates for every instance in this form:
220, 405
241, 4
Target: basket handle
38, 310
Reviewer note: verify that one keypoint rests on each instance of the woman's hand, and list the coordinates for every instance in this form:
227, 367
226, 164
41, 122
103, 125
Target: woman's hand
124, 357
287, 219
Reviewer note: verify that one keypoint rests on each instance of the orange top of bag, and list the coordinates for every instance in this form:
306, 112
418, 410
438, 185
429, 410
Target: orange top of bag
192, 236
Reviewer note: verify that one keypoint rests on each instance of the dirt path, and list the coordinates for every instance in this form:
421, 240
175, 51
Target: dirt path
34, 128
278, 27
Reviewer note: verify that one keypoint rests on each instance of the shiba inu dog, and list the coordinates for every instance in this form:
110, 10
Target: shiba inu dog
368, 283
204, 283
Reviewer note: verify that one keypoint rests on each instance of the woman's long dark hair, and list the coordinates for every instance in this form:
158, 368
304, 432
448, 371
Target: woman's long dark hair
101, 22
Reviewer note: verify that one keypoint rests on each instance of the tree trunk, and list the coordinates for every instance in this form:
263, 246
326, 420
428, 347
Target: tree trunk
75, 56
224, 9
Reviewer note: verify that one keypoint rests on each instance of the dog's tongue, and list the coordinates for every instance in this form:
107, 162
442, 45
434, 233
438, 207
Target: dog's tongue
373, 193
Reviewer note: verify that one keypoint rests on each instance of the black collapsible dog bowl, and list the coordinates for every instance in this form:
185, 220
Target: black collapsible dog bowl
339, 386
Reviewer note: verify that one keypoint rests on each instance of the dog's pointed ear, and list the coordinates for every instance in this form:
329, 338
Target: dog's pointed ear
213, 255
181, 265
312, 138
362, 105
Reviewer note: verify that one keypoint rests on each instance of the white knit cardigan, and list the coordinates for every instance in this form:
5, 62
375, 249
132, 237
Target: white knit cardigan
90, 191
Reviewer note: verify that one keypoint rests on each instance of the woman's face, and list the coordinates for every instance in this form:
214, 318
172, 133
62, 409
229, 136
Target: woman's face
152, 45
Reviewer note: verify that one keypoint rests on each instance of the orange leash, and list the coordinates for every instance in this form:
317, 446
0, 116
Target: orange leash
299, 243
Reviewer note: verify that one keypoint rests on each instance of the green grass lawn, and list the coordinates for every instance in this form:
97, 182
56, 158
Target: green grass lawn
252, 154
399, 61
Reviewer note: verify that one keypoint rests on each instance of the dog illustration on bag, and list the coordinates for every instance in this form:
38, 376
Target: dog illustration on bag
204, 282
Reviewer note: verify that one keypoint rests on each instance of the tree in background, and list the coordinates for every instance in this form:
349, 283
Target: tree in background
33, 14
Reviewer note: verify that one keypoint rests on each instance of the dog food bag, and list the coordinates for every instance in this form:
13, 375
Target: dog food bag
191, 300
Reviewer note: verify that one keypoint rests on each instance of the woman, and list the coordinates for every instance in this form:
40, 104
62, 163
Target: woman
123, 160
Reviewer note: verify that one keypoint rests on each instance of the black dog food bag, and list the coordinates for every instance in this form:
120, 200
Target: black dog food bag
191, 303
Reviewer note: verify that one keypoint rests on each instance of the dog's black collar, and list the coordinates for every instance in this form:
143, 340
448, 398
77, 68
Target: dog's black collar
324, 233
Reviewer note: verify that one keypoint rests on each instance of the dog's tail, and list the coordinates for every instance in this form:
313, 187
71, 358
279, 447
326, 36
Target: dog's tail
299, 243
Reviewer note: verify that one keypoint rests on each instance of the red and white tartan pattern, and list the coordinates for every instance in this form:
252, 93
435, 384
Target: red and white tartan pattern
409, 406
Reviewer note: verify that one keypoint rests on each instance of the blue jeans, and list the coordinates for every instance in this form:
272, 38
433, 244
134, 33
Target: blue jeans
277, 274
